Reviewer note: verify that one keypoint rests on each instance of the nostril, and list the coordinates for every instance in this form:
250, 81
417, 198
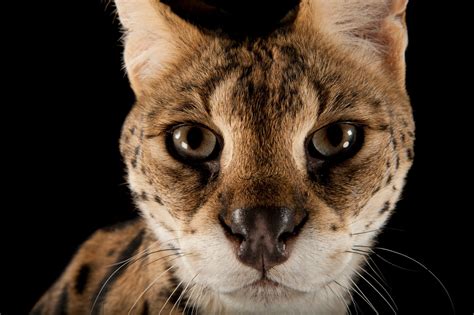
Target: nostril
300, 225
233, 236
226, 227
239, 237
295, 230
285, 236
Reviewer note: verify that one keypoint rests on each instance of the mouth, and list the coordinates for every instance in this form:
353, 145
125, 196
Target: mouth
265, 290
264, 283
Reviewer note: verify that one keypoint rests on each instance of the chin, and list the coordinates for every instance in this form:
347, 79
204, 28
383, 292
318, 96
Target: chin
265, 292
265, 296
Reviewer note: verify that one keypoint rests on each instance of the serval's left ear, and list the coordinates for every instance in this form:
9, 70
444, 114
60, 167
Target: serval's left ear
155, 38
374, 28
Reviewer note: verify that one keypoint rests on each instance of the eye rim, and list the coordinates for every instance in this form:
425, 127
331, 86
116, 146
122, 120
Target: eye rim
170, 147
355, 148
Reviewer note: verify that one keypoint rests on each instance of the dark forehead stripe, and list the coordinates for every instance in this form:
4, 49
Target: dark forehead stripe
283, 73
268, 87
82, 278
115, 273
62, 306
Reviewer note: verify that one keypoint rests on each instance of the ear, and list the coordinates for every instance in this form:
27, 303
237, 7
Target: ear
154, 38
375, 28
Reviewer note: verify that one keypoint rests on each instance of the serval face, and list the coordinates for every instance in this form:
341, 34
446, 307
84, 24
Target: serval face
264, 160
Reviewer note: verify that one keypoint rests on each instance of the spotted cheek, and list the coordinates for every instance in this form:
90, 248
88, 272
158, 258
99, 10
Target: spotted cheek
372, 217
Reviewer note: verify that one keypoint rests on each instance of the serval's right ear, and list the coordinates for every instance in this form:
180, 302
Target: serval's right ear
155, 38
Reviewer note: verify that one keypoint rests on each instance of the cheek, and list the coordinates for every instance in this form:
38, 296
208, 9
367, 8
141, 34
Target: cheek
318, 257
378, 209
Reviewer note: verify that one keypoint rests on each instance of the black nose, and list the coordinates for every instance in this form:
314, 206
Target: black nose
262, 233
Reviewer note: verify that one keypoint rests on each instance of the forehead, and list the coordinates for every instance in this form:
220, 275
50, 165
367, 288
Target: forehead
278, 78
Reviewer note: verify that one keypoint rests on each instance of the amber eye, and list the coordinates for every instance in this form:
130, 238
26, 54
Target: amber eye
193, 143
340, 140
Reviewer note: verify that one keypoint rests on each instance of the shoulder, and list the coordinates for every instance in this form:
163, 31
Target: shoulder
92, 266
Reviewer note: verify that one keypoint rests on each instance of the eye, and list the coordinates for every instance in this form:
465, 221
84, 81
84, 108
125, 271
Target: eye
339, 140
193, 143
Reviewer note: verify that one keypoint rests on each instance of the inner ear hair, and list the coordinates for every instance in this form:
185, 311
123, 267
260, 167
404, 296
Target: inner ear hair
375, 28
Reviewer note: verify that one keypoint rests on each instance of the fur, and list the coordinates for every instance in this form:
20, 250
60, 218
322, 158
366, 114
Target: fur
337, 61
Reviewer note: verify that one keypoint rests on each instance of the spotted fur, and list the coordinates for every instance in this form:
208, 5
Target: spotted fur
263, 95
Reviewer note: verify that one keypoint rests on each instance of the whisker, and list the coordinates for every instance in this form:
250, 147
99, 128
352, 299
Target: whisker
194, 308
350, 295
363, 296
169, 297
182, 294
144, 255
376, 290
108, 279
365, 232
379, 274
128, 263
148, 288
355, 252
339, 297
383, 288
134, 256
146, 250
193, 289
425, 268
382, 258
162, 257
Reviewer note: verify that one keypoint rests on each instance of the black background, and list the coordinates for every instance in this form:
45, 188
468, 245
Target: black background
66, 97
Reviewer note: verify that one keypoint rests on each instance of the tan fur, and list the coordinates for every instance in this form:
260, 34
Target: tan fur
341, 60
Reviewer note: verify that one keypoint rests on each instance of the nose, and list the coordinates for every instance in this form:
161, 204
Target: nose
262, 234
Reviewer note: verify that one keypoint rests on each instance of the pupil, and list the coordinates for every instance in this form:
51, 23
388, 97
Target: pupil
334, 135
194, 138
